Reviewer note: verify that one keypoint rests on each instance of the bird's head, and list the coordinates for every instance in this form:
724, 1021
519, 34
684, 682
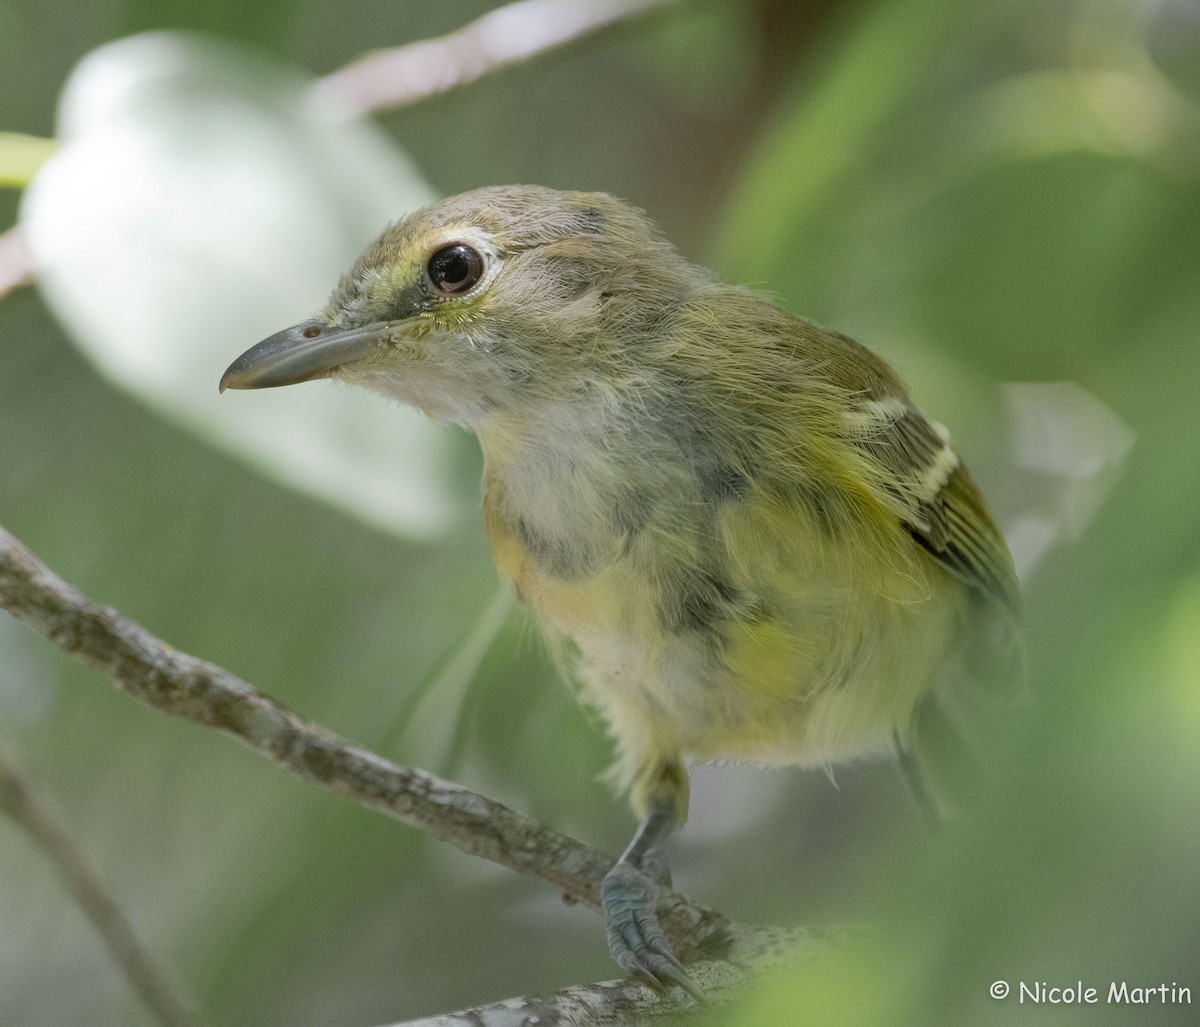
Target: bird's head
489, 302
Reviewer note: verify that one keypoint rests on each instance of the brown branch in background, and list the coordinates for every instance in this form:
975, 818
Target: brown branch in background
16, 262
408, 74
33, 813
512, 33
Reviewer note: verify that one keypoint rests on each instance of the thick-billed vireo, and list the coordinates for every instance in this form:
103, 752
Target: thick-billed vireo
749, 540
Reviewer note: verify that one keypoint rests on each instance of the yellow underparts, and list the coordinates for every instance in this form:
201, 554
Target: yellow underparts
821, 654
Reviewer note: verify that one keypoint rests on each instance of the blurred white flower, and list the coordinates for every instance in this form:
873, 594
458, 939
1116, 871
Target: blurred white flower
205, 196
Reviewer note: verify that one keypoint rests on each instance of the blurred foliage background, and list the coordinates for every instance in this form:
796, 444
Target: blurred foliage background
985, 192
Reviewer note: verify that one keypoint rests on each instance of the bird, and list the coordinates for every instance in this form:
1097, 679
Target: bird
745, 539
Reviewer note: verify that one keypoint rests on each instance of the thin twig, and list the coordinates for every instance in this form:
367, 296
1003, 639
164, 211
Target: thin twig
187, 687
33, 813
515, 32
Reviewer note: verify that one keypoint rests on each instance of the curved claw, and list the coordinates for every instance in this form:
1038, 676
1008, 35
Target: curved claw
635, 937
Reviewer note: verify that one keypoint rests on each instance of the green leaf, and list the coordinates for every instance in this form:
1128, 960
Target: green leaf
825, 126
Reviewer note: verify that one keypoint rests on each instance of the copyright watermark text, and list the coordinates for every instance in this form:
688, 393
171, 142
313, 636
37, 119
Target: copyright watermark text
1076, 993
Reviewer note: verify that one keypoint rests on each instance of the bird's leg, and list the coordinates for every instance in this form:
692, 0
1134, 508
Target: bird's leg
629, 891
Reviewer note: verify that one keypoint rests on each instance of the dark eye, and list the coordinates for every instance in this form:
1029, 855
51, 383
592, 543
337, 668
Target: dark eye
455, 268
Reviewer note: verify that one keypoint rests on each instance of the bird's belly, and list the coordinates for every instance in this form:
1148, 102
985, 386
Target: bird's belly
774, 653
806, 690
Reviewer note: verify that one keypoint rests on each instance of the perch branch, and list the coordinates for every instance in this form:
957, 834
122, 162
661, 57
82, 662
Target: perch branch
187, 687
622, 1003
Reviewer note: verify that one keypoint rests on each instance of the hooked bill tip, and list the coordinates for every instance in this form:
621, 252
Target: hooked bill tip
301, 353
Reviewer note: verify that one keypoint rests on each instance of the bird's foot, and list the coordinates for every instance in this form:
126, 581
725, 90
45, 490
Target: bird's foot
635, 936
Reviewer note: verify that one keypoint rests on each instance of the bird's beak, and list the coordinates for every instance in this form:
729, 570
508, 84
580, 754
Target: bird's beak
311, 349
